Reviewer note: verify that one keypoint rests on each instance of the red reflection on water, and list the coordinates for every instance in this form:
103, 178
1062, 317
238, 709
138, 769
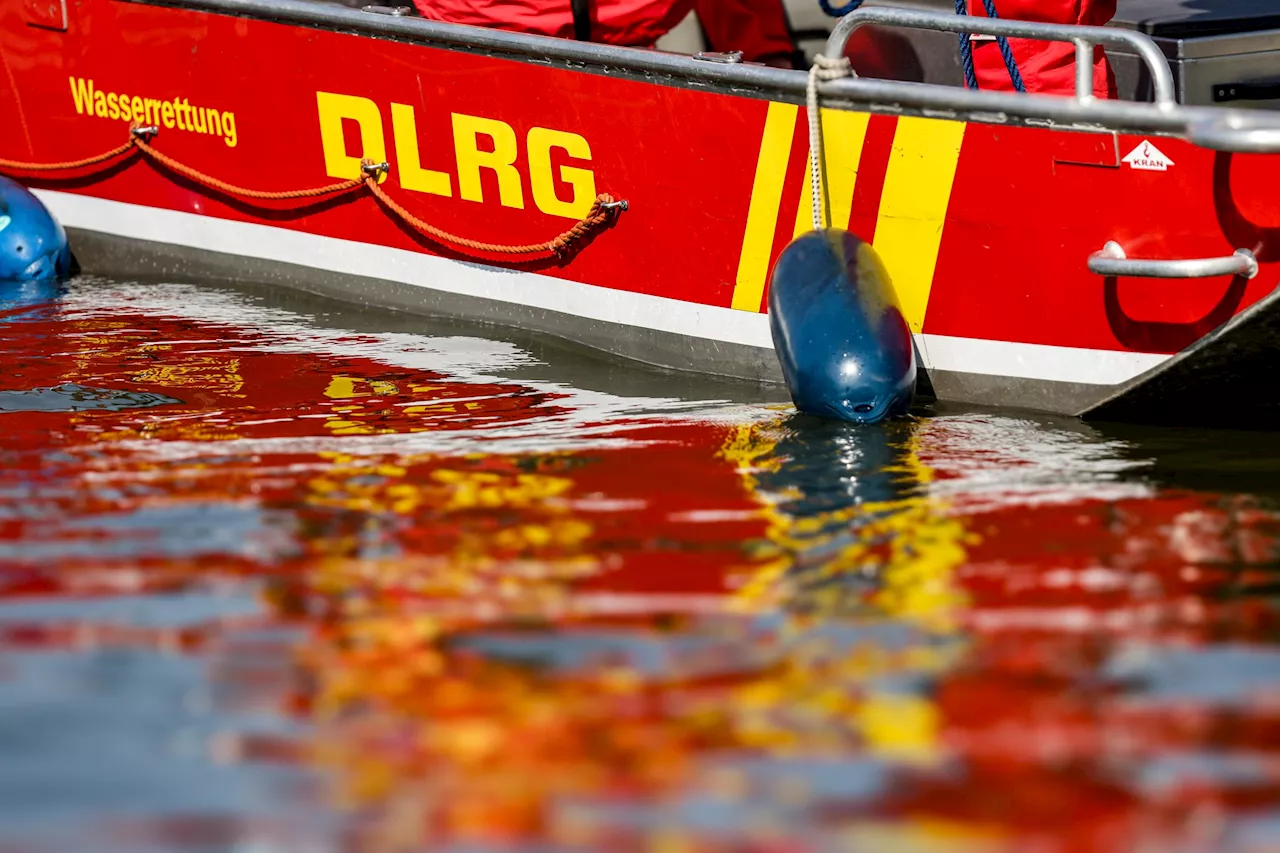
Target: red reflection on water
644, 631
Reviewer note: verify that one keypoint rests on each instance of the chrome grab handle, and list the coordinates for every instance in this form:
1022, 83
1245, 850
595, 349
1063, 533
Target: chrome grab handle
1236, 133
1084, 39
1112, 261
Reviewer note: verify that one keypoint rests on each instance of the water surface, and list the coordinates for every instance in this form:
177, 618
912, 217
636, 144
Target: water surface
279, 575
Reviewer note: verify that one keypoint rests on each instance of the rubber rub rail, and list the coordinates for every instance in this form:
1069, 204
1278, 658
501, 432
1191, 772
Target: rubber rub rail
603, 211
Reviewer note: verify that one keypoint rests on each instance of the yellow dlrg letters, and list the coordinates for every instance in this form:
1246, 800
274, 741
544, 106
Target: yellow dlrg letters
333, 109
466, 132
408, 161
583, 181
548, 184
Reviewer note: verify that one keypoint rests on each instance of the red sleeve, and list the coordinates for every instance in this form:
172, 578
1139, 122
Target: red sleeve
758, 28
1097, 13
1046, 67
637, 23
1090, 12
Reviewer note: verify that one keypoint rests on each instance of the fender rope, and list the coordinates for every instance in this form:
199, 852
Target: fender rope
824, 68
604, 210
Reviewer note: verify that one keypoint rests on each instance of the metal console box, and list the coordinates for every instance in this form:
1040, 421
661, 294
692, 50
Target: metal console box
1220, 51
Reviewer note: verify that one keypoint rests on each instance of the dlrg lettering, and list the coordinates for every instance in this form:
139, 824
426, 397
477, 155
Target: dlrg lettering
468, 155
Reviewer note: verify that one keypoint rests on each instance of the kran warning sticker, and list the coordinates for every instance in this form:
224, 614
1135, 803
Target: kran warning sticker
1148, 158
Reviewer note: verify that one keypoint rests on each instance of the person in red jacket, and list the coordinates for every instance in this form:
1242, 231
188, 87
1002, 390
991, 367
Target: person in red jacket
1046, 67
758, 28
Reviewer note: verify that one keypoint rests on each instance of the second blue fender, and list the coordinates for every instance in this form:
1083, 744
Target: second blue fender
844, 346
33, 246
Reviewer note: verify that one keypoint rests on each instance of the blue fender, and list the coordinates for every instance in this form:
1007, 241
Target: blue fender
845, 348
33, 245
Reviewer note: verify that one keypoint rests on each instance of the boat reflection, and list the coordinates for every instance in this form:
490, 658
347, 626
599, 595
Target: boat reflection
433, 600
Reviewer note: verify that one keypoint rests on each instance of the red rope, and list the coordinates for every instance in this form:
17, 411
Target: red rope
232, 189
67, 165
600, 215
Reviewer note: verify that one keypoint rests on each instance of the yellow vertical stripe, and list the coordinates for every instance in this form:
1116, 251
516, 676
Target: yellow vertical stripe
843, 133
913, 207
766, 197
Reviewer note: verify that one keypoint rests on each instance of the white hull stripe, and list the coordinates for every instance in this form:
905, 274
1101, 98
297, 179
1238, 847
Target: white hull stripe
520, 287
1034, 361
283, 245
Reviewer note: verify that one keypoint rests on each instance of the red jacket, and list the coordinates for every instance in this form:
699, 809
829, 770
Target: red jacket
1045, 66
758, 28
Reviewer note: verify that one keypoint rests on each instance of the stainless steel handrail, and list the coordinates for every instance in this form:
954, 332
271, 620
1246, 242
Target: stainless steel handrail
1084, 39
1220, 128
1236, 132
1112, 261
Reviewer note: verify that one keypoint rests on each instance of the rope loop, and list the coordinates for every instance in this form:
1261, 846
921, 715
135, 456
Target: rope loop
604, 210
824, 68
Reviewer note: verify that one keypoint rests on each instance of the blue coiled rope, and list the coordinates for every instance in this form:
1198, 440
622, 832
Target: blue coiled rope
966, 50
966, 47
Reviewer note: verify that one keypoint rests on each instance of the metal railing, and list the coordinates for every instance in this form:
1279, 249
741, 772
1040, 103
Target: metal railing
1211, 127
1084, 39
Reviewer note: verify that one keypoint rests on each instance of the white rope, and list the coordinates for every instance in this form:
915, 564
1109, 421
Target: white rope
824, 68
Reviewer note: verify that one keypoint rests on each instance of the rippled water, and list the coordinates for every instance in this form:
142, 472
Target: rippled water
277, 575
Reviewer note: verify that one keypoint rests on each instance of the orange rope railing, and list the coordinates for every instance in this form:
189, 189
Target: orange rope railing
20, 166
231, 189
603, 211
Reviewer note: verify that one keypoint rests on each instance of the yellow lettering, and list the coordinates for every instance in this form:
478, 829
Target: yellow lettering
466, 133
332, 109
344, 388
583, 181
89, 100
82, 94
229, 132
408, 161
341, 387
